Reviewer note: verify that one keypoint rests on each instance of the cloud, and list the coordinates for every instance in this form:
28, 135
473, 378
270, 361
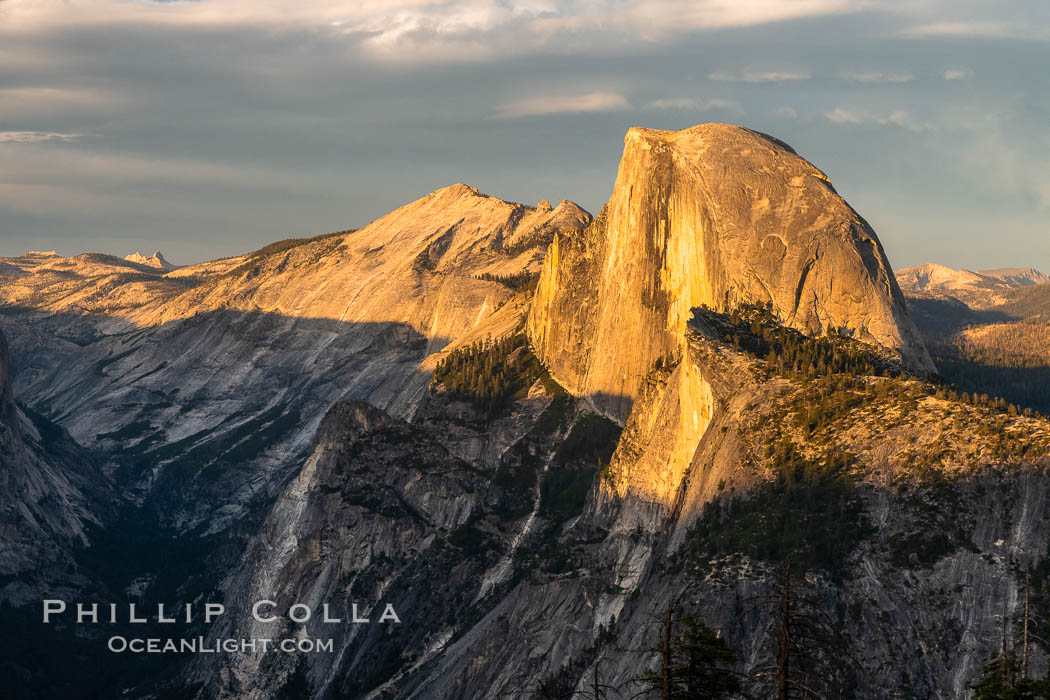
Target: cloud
442, 31
845, 116
958, 74
400, 15
901, 118
757, 77
27, 104
35, 136
655, 19
877, 77
391, 30
562, 104
982, 29
688, 103
63, 180
997, 162
407, 30
786, 113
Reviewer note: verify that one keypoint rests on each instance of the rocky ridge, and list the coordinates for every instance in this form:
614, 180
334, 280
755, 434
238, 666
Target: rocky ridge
176, 369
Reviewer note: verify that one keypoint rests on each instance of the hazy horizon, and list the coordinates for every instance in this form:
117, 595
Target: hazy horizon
207, 129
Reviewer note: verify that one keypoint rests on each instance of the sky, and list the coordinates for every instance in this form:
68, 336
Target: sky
209, 128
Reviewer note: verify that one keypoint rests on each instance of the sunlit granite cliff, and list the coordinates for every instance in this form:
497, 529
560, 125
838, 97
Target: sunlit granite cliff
715, 215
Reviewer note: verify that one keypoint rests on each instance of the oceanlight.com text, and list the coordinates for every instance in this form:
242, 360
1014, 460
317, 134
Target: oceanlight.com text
202, 645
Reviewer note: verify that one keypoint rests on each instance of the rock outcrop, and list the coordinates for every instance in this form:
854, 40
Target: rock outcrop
369, 521
156, 260
715, 215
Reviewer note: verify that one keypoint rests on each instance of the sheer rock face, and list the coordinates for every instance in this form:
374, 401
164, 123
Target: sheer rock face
714, 215
367, 516
6, 405
50, 491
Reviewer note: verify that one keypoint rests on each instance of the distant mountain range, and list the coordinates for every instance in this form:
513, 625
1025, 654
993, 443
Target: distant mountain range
984, 288
988, 331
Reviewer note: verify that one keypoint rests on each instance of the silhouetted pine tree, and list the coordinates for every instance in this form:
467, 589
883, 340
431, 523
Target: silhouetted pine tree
695, 662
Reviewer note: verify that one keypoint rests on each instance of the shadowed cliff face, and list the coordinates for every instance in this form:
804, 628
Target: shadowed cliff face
6, 404
51, 492
714, 215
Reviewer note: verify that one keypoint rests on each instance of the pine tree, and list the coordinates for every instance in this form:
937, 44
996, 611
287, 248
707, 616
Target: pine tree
812, 659
1006, 676
695, 662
